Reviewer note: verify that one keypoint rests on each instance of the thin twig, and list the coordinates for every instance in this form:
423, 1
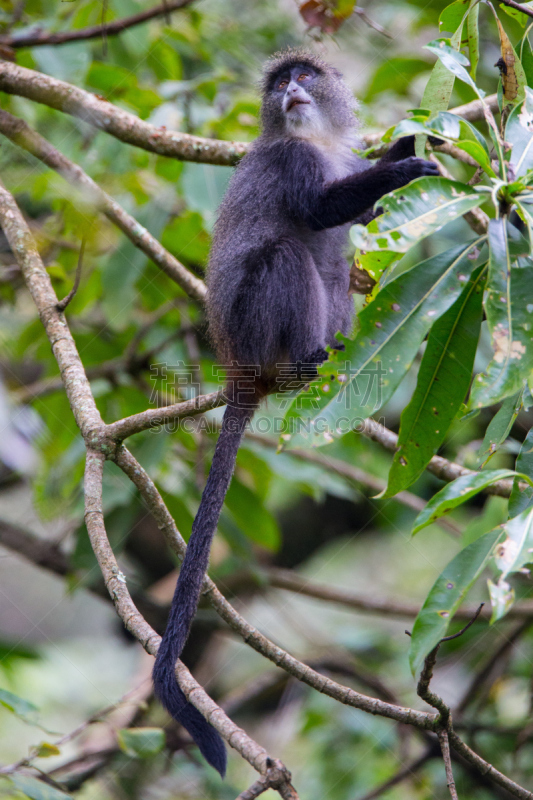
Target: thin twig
292, 582
445, 747
371, 23
62, 304
43, 38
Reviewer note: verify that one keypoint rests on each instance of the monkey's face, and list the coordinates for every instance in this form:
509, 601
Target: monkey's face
305, 101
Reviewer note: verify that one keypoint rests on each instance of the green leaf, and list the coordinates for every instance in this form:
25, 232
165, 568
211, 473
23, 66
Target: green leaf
519, 134
499, 428
22, 709
446, 595
439, 88
509, 296
473, 37
442, 384
521, 500
391, 329
526, 57
459, 491
141, 742
453, 61
519, 16
255, 521
453, 15
36, 789
414, 212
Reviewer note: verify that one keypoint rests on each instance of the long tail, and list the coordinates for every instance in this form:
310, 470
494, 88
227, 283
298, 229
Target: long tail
188, 588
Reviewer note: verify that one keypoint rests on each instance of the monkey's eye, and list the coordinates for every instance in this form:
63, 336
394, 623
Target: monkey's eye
282, 84
303, 76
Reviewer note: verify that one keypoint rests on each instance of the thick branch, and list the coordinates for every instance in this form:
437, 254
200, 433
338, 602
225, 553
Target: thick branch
93, 31
21, 134
108, 117
130, 129
134, 622
38, 282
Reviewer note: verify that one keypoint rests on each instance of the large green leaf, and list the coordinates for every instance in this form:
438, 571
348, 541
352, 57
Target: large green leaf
391, 329
446, 595
459, 491
473, 37
522, 499
443, 382
414, 212
439, 87
509, 310
519, 134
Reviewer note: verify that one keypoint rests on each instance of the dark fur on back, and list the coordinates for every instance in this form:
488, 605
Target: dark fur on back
277, 291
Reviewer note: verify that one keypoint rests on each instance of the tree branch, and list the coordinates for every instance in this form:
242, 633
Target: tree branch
22, 135
524, 9
108, 117
132, 130
41, 38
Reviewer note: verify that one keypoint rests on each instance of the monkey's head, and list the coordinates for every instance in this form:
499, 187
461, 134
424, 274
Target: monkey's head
304, 96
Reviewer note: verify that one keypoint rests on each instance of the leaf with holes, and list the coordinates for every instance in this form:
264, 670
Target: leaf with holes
446, 595
519, 134
414, 212
509, 310
523, 498
499, 428
454, 61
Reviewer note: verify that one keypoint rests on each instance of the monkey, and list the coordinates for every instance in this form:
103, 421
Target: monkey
277, 291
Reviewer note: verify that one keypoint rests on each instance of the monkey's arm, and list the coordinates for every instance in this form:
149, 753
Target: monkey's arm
404, 148
344, 200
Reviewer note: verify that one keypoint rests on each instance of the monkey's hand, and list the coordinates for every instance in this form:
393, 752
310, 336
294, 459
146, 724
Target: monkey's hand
405, 171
